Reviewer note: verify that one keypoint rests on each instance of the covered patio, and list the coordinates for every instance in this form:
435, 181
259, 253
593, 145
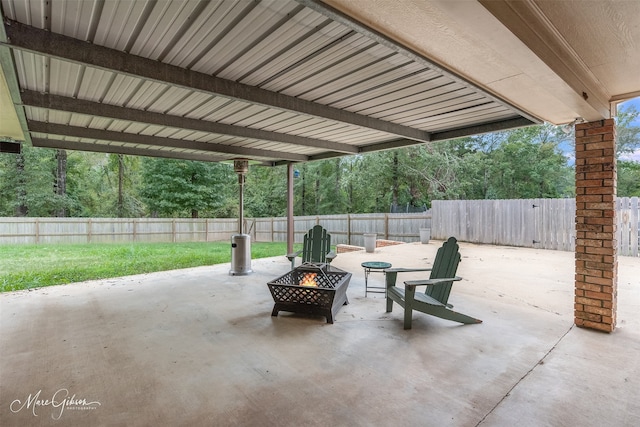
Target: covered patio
197, 347
281, 82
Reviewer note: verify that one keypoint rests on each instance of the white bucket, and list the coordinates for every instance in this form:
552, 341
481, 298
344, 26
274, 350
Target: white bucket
370, 242
425, 235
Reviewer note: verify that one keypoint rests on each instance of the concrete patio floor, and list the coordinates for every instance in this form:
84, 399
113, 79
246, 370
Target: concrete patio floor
198, 347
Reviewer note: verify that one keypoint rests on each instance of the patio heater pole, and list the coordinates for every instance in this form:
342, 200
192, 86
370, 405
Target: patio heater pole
241, 180
241, 243
290, 223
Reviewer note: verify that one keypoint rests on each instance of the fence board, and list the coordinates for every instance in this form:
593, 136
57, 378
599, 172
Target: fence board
627, 225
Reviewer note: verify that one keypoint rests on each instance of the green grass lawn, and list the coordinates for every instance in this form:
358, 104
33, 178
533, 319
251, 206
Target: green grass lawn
33, 266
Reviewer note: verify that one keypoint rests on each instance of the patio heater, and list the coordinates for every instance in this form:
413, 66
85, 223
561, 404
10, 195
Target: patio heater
241, 243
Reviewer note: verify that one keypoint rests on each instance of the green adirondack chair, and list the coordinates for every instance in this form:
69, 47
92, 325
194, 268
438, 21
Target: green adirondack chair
316, 247
434, 300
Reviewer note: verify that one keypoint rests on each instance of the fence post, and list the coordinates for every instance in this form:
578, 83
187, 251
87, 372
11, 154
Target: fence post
386, 226
89, 231
37, 227
348, 229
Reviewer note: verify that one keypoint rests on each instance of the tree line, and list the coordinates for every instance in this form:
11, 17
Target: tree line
532, 162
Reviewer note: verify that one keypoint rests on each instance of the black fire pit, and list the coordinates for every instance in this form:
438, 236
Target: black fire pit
325, 296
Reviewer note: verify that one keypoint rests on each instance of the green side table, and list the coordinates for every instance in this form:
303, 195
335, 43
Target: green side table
374, 267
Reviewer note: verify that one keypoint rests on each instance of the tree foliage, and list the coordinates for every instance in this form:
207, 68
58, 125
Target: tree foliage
532, 162
627, 133
183, 188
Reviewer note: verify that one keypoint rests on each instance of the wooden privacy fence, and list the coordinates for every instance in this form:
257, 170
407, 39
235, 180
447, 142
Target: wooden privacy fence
111, 230
535, 223
345, 228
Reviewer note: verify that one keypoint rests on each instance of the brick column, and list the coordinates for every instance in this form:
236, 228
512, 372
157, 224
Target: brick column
596, 246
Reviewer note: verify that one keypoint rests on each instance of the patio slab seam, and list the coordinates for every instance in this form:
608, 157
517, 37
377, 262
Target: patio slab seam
527, 374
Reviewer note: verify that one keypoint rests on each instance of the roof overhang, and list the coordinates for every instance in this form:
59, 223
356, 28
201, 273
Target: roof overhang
556, 60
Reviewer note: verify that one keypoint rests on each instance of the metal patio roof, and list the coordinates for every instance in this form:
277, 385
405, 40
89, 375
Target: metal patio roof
273, 81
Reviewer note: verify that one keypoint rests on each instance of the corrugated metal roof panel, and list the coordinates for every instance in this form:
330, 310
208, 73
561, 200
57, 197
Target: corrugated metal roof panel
183, 50
97, 122
258, 120
38, 114
229, 111
361, 82
94, 83
118, 23
414, 82
242, 35
380, 100
272, 42
304, 50
248, 114
468, 117
75, 18
31, 13
269, 121
120, 90
31, 71
150, 130
145, 95
192, 103
168, 99
208, 109
135, 128
163, 24
66, 81
318, 61
362, 65
410, 116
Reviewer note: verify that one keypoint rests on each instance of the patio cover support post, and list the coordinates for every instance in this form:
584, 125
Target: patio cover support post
596, 246
290, 225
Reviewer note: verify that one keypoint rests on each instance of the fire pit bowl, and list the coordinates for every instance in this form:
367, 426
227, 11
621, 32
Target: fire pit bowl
324, 294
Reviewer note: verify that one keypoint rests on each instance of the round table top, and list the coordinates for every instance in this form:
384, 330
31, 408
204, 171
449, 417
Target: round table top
376, 264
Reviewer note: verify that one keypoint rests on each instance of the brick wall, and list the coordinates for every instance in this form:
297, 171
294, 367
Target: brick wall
596, 253
342, 248
381, 243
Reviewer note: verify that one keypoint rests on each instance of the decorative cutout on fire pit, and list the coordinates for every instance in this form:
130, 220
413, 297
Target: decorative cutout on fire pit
309, 279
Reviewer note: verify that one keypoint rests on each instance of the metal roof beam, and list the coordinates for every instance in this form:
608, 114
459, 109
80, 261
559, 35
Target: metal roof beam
131, 138
47, 43
120, 149
484, 128
79, 106
445, 135
387, 145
